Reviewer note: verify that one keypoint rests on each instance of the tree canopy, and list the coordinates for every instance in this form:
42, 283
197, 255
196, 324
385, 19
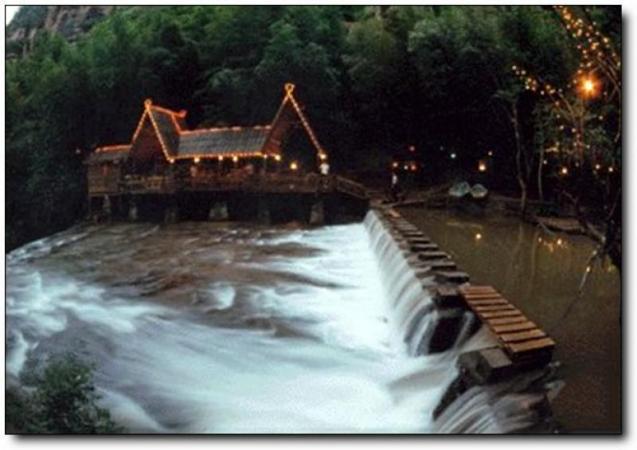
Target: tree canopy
374, 79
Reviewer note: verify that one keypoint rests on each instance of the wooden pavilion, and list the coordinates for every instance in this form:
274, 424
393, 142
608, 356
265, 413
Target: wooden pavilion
170, 171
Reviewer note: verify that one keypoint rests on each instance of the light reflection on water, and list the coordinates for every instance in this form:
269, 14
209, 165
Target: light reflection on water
540, 273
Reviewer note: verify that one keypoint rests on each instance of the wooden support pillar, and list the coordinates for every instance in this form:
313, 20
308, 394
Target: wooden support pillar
171, 211
133, 211
107, 208
263, 210
317, 215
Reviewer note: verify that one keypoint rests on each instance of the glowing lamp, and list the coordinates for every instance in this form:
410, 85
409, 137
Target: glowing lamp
394, 165
277, 158
452, 156
610, 169
322, 156
588, 87
197, 160
564, 171
482, 167
478, 236
172, 161
221, 158
235, 159
294, 165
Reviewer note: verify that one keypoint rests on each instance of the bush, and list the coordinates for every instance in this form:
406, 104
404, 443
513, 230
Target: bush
63, 401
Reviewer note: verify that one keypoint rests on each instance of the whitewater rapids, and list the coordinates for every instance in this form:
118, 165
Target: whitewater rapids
228, 328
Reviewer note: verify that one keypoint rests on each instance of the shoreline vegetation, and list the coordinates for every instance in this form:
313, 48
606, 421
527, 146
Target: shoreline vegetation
59, 399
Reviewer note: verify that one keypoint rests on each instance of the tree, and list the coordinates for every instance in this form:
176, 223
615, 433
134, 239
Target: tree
584, 123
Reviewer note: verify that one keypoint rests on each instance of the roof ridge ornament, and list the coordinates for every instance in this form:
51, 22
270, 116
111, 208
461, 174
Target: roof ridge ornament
289, 88
148, 102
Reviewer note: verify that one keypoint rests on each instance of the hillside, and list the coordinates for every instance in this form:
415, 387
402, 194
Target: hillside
68, 21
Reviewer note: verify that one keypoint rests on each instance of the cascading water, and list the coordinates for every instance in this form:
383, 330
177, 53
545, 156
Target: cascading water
208, 328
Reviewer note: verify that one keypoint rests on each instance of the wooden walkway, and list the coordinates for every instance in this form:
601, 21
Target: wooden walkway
518, 336
523, 341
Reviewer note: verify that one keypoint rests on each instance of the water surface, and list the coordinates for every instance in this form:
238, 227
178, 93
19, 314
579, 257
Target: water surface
229, 328
541, 272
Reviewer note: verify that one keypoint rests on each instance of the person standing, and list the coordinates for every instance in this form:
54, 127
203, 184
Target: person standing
324, 168
394, 187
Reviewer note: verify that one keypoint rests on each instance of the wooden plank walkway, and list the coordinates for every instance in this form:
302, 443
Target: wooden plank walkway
522, 342
518, 336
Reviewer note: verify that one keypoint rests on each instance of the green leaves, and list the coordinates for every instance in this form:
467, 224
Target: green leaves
63, 402
373, 79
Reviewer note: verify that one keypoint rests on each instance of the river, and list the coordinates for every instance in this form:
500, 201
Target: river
231, 328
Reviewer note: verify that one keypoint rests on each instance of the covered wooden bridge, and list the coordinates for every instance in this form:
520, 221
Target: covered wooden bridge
241, 173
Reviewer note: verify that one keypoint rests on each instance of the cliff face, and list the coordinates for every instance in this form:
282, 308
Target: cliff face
68, 21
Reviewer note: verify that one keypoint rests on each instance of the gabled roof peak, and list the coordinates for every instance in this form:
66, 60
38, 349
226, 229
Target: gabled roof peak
179, 142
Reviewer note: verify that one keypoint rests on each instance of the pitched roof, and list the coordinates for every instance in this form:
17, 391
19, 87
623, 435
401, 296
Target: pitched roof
177, 142
167, 128
223, 141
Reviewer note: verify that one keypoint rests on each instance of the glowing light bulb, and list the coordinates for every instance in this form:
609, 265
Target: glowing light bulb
294, 165
588, 86
478, 236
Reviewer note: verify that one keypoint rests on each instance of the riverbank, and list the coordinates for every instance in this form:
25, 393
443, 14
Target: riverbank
540, 272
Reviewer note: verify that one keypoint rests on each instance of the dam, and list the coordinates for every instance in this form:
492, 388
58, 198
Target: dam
222, 327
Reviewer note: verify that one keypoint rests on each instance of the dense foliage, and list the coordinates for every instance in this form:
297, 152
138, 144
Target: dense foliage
62, 401
375, 80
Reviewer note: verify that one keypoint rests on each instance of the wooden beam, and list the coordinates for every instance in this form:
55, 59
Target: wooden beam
522, 335
513, 327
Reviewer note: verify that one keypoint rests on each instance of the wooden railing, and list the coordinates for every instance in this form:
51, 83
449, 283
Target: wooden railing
239, 181
148, 184
350, 187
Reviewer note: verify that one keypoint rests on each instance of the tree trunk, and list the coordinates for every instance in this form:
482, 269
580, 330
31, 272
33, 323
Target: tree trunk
540, 166
519, 155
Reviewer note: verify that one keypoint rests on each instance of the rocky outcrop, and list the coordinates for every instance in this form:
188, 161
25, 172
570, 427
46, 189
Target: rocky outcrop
68, 21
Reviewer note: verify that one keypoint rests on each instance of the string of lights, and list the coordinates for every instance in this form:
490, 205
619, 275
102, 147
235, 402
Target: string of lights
596, 80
